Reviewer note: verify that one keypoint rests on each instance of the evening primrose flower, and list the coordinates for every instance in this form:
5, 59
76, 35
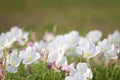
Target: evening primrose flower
62, 60
48, 37
16, 32
12, 62
90, 50
72, 38
6, 40
56, 53
59, 59
81, 45
76, 76
94, 35
9, 39
23, 38
111, 54
29, 55
115, 39
67, 68
2, 41
40, 46
82, 72
105, 45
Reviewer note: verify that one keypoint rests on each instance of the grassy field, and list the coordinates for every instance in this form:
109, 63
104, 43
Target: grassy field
81, 15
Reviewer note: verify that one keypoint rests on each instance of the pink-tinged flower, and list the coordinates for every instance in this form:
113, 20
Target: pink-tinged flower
48, 37
68, 67
2, 74
30, 44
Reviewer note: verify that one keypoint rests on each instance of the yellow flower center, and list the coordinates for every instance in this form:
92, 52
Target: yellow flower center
87, 54
105, 49
13, 63
30, 58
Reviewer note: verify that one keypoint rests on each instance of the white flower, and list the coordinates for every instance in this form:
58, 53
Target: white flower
90, 50
29, 55
12, 62
23, 38
56, 53
83, 69
48, 37
111, 54
2, 41
76, 76
6, 40
82, 72
94, 35
9, 39
66, 49
72, 38
81, 45
40, 46
62, 60
16, 32
59, 59
115, 37
105, 45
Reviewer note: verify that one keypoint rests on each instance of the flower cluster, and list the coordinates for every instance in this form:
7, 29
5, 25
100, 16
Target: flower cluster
55, 50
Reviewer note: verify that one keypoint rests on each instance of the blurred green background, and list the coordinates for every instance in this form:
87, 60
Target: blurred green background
42, 15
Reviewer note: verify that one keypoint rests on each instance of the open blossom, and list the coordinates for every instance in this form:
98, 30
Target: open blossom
82, 72
29, 55
9, 39
56, 54
72, 38
48, 37
2, 41
23, 38
81, 45
67, 68
105, 45
16, 32
59, 59
64, 44
87, 48
94, 35
90, 50
19, 35
115, 39
109, 50
12, 62
40, 46
111, 54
